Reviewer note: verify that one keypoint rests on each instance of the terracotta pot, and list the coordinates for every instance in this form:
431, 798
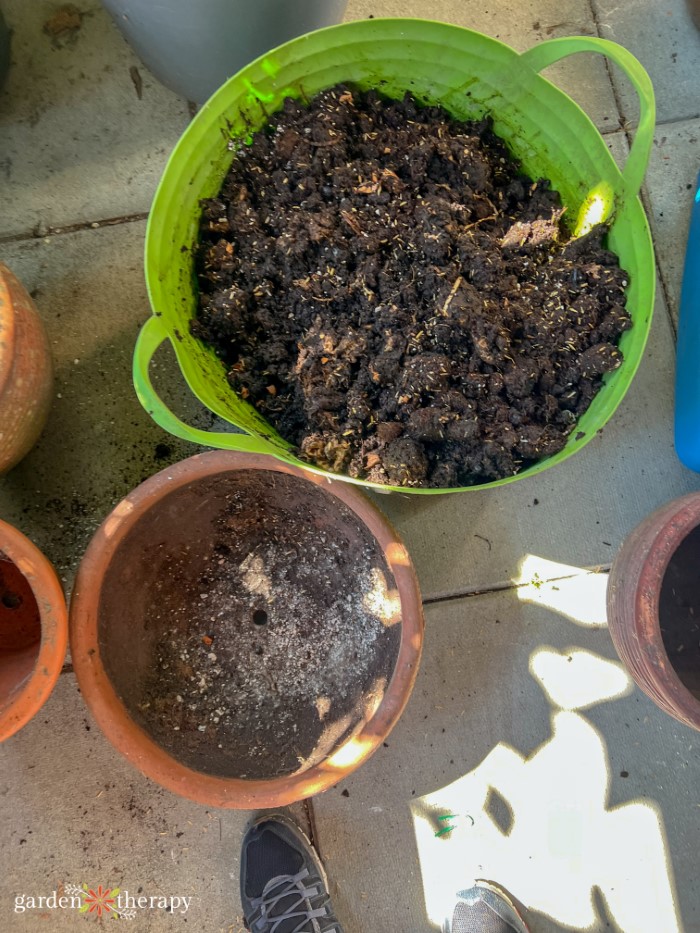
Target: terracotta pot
33, 630
26, 372
638, 607
138, 551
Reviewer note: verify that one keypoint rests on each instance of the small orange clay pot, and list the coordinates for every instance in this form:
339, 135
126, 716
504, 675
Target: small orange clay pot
148, 553
26, 372
33, 630
648, 596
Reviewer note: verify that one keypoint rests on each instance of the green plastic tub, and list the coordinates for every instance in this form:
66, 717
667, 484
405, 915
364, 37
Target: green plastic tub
470, 75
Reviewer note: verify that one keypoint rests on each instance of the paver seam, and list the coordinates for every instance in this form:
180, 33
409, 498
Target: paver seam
39, 233
618, 103
627, 128
671, 120
311, 821
510, 585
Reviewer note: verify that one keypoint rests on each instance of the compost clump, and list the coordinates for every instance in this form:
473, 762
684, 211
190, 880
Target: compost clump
393, 294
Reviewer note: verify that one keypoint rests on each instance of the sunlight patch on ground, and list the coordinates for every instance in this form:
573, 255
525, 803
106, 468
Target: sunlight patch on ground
539, 823
577, 679
576, 594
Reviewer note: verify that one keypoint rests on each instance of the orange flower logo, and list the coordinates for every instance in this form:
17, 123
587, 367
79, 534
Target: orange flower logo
100, 902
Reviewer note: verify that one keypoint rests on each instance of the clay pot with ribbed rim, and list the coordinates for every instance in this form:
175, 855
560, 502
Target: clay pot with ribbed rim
26, 372
155, 569
654, 607
33, 630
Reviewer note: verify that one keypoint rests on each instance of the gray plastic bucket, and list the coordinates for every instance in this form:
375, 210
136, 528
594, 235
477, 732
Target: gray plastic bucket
194, 46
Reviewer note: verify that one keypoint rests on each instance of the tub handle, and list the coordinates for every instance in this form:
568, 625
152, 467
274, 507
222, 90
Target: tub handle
552, 50
150, 337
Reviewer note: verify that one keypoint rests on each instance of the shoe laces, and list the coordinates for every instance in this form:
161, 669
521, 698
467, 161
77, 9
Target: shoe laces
298, 895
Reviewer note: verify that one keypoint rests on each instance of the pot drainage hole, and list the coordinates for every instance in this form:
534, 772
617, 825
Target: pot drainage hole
11, 600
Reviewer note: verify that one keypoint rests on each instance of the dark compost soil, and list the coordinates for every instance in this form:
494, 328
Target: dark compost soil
269, 628
397, 299
679, 611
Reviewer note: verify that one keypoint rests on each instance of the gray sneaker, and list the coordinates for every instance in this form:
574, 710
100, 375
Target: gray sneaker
484, 908
284, 888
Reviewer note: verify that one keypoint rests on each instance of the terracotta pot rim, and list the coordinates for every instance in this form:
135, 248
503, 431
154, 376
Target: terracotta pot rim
683, 516
134, 743
7, 328
53, 614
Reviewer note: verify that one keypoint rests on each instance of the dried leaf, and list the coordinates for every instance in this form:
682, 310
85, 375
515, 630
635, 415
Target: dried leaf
352, 222
137, 81
63, 26
368, 187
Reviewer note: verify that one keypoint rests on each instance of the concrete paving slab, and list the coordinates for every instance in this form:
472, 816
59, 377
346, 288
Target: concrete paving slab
78, 142
565, 783
75, 812
521, 25
575, 514
670, 186
99, 443
664, 39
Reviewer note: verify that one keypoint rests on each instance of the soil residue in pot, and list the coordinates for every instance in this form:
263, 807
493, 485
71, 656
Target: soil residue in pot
384, 285
679, 611
270, 635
